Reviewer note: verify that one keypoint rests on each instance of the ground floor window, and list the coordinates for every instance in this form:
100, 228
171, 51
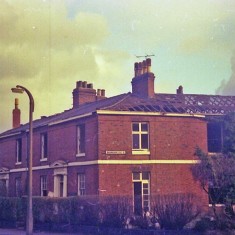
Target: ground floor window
141, 191
18, 187
81, 184
43, 186
3, 187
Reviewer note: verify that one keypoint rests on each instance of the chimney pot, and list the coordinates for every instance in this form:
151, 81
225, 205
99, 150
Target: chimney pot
90, 85
140, 71
84, 84
98, 92
79, 84
144, 66
179, 91
103, 92
148, 64
16, 102
136, 69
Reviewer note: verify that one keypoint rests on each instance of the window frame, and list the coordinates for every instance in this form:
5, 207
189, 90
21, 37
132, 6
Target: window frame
43, 185
18, 187
3, 187
19, 151
44, 147
144, 194
81, 184
80, 141
218, 134
140, 133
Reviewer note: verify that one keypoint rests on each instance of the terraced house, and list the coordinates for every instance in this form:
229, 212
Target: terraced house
137, 144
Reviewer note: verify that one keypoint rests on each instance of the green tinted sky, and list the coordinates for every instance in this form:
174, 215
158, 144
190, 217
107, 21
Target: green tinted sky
47, 46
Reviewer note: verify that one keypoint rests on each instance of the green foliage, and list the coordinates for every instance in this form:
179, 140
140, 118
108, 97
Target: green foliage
115, 210
205, 224
68, 214
8, 209
216, 173
72, 211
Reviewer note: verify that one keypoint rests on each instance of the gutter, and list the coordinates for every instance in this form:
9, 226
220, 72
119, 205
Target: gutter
110, 112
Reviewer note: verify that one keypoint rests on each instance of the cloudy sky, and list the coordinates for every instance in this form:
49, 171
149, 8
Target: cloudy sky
48, 45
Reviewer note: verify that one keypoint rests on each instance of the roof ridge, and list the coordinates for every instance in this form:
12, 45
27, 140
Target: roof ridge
119, 101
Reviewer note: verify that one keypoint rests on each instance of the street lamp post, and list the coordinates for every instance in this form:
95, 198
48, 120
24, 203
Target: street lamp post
29, 226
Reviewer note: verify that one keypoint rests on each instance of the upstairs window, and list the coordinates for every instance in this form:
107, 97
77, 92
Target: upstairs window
214, 137
81, 184
18, 151
44, 146
140, 137
80, 140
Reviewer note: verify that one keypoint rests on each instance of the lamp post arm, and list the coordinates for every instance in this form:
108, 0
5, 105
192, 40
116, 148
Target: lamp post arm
31, 100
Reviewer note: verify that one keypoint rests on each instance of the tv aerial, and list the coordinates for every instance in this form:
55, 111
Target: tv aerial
145, 56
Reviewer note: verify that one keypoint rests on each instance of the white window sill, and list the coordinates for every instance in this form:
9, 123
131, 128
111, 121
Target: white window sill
217, 205
43, 159
140, 152
213, 153
80, 155
18, 163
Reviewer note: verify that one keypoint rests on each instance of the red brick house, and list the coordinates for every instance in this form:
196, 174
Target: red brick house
135, 144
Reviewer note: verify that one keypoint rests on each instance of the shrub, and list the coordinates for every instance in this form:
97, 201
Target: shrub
85, 211
114, 211
204, 224
174, 211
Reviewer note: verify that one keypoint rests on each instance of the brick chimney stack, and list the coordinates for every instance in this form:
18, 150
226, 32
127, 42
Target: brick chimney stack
16, 115
143, 82
85, 93
179, 90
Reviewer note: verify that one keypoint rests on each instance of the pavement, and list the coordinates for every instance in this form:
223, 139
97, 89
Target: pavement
22, 232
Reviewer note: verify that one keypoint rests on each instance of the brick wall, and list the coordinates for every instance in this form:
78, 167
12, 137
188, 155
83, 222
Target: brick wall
170, 137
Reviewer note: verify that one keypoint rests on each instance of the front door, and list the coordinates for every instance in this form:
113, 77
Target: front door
141, 188
138, 198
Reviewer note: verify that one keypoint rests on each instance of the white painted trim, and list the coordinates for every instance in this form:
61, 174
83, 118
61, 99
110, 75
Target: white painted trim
80, 155
18, 170
69, 119
134, 162
111, 162
5, 136
111, 112
43, 159
140, 152
42, 167
85, 163
217, 205
18, 163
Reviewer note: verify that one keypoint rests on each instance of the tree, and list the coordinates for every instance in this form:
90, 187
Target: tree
216, 173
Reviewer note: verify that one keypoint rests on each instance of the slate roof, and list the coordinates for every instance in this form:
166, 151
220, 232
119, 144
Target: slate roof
165, 103
178, 103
